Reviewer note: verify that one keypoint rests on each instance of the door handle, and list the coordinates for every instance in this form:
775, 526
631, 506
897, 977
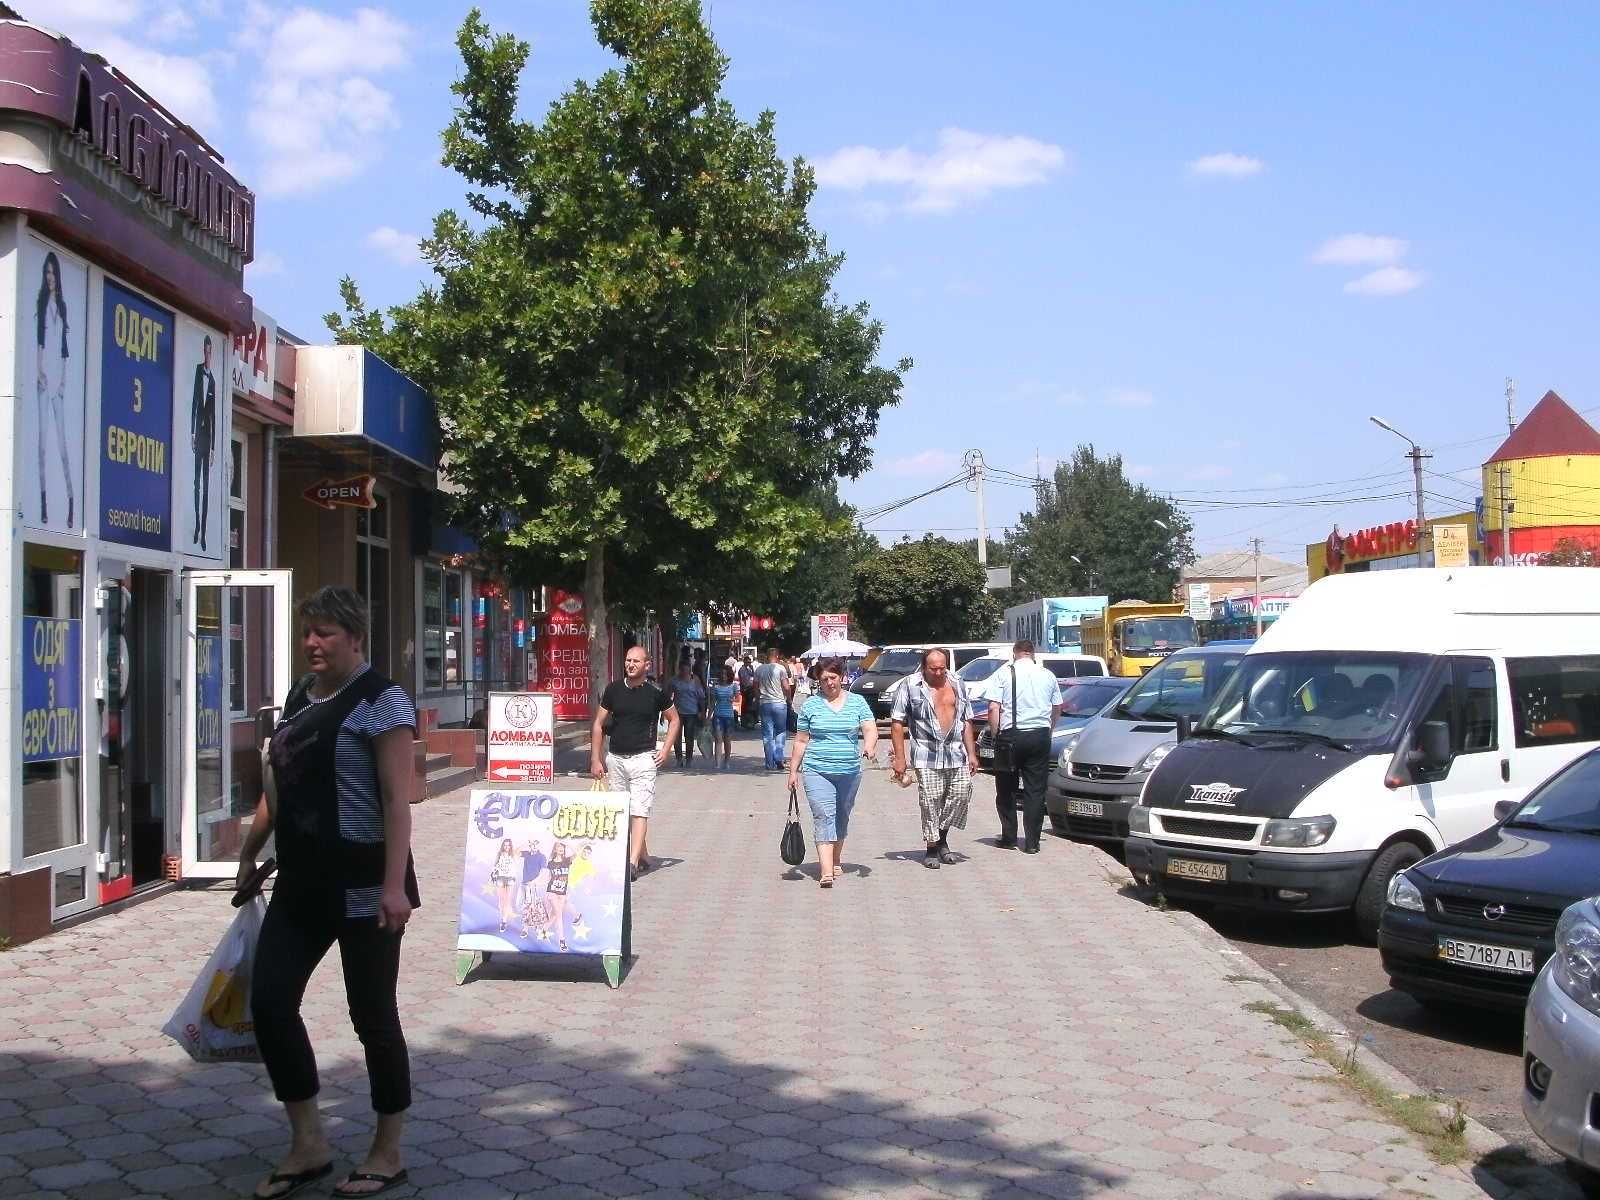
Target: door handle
1505, 770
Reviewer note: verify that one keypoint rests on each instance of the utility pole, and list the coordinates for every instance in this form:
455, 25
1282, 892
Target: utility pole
1503, 490
1416, 455
1511, 405
974, 460
1255, 544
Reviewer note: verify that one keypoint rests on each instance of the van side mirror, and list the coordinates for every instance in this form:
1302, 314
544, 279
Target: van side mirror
1504, 808
1185, 728
1432, 745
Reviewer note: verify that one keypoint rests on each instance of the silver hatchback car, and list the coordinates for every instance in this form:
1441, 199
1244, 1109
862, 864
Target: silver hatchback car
1561, 1041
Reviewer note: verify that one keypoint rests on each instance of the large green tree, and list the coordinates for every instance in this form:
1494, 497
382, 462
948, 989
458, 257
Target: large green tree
924, 591
1096, 532
642, 371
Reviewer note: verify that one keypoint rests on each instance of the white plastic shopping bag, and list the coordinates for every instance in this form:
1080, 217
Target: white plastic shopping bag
213, 1023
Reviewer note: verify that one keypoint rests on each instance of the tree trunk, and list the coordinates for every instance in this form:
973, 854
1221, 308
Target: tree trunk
594, 611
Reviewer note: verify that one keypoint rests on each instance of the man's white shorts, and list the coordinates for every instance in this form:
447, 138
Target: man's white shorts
636, 775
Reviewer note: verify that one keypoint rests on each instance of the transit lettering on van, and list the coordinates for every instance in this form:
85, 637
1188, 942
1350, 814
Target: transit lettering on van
1381, 719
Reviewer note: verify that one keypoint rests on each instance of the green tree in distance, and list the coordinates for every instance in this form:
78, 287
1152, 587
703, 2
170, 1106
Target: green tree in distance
642, 372
925, 591
1131, 543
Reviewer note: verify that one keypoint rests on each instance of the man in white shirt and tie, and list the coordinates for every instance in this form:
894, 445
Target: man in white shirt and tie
1025, 699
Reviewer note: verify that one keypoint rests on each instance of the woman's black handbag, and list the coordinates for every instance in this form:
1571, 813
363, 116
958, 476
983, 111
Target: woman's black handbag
1004, 739
792, 846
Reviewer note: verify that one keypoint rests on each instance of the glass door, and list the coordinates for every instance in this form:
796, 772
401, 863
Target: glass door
237, 644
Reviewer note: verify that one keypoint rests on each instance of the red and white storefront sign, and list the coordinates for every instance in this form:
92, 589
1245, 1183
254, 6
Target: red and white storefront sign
564, 657
522, 744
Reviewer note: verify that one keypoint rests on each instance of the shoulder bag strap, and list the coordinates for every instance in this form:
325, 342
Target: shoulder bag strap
1013, 697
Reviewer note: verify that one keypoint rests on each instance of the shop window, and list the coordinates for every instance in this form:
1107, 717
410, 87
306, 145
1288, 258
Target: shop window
441, 626
237, 618
1555, 699
52, 720
372, 577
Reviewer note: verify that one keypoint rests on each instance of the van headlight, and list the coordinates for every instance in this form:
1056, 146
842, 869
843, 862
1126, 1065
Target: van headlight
1139, 820
1152, 760
1403, 893
1298, 831
1065, 757
1576, 968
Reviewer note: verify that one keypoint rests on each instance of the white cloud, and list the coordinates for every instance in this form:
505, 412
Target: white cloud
266, 263
394, 245
927, 462
1360, 249
1129, 398
182, 83
1228, 166
1139, 470
1386, 281
964, 168
318, 114
1207, 472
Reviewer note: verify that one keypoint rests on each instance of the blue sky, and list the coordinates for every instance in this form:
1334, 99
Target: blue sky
1211, 240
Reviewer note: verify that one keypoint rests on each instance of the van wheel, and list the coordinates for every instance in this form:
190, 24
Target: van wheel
1370, 899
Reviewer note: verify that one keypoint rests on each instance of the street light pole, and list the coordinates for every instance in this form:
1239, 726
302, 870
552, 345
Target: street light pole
1256, 545
1416, 456
974, 461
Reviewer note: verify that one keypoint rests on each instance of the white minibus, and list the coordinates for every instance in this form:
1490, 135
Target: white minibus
1386, 715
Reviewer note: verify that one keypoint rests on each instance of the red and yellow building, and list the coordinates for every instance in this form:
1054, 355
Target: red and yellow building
1547, 473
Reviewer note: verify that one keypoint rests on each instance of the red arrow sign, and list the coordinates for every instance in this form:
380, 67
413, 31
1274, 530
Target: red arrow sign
354, 492
527, 772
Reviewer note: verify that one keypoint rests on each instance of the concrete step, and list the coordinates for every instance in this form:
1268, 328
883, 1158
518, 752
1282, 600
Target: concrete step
446, 778
434, 761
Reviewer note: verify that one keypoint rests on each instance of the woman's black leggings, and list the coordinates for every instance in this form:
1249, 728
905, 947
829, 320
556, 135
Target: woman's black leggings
292, 944
688, 730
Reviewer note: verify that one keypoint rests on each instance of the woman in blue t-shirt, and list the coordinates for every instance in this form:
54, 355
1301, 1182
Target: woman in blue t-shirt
835, 730
722, 695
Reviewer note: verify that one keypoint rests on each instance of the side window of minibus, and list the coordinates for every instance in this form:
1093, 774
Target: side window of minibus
1555, 700
1477, 704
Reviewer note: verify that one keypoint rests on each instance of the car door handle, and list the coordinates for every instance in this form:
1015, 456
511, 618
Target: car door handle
1505, 770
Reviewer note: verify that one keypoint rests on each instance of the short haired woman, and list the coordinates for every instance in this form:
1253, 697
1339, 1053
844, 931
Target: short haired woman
342, 765
723, 695
834, 732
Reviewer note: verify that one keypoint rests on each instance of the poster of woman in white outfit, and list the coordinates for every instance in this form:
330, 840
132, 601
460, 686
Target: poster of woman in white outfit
54, 342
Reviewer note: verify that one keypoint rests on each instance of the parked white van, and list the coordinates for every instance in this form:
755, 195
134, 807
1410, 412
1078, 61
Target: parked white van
1380, 719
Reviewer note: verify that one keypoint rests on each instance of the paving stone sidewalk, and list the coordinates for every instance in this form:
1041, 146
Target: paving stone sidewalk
1008, 1026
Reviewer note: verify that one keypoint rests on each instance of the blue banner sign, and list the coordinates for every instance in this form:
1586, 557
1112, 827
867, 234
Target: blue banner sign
135, 421
208, 680
52, 676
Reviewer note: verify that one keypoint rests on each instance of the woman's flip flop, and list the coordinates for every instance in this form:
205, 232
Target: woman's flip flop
295, 1180
384, 1182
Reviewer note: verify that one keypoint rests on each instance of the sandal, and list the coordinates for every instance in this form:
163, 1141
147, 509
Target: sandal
825, 881
947, 855
384, 1182
294, 1179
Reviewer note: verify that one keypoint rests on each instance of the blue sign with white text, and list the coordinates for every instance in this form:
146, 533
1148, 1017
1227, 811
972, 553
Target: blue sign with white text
208, 700
52, 679
136, 355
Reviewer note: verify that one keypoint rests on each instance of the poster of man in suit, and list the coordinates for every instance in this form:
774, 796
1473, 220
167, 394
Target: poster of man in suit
52, 344
201, 365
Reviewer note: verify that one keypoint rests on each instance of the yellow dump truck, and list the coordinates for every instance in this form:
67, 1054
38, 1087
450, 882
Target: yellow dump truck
1134, 635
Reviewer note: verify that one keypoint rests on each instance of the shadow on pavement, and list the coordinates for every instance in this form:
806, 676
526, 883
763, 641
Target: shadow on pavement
521, 1115
1481, 1029
1311, 932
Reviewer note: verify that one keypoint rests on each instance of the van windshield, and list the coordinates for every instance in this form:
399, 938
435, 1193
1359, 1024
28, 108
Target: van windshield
1352, 698
1181, 686
898, 662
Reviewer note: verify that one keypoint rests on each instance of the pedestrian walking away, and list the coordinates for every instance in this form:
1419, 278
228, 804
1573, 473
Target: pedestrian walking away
749, 706
689, 698
932, 719
774, 685
340, 760
837, 731
722, 695
629, 711
803, 685
1024, 700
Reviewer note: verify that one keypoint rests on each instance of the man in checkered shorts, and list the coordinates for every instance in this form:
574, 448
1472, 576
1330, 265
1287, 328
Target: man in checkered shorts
932, 711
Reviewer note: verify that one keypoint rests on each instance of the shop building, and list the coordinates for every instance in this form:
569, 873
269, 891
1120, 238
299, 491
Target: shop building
1541, 488
1388, 547
135, 497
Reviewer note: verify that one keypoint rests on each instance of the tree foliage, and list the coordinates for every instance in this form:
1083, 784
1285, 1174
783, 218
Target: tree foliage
642, 371
1090, 509
1572, 552
931, 590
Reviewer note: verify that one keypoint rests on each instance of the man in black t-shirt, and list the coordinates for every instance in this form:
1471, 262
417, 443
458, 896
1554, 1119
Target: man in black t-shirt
633, 707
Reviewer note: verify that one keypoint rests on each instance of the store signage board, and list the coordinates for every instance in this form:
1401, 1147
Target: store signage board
52, 674
254, 359
521, 737
353, 492
564, 657
546, 873
1199, 601
830, 627
1450, 546
136, 459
